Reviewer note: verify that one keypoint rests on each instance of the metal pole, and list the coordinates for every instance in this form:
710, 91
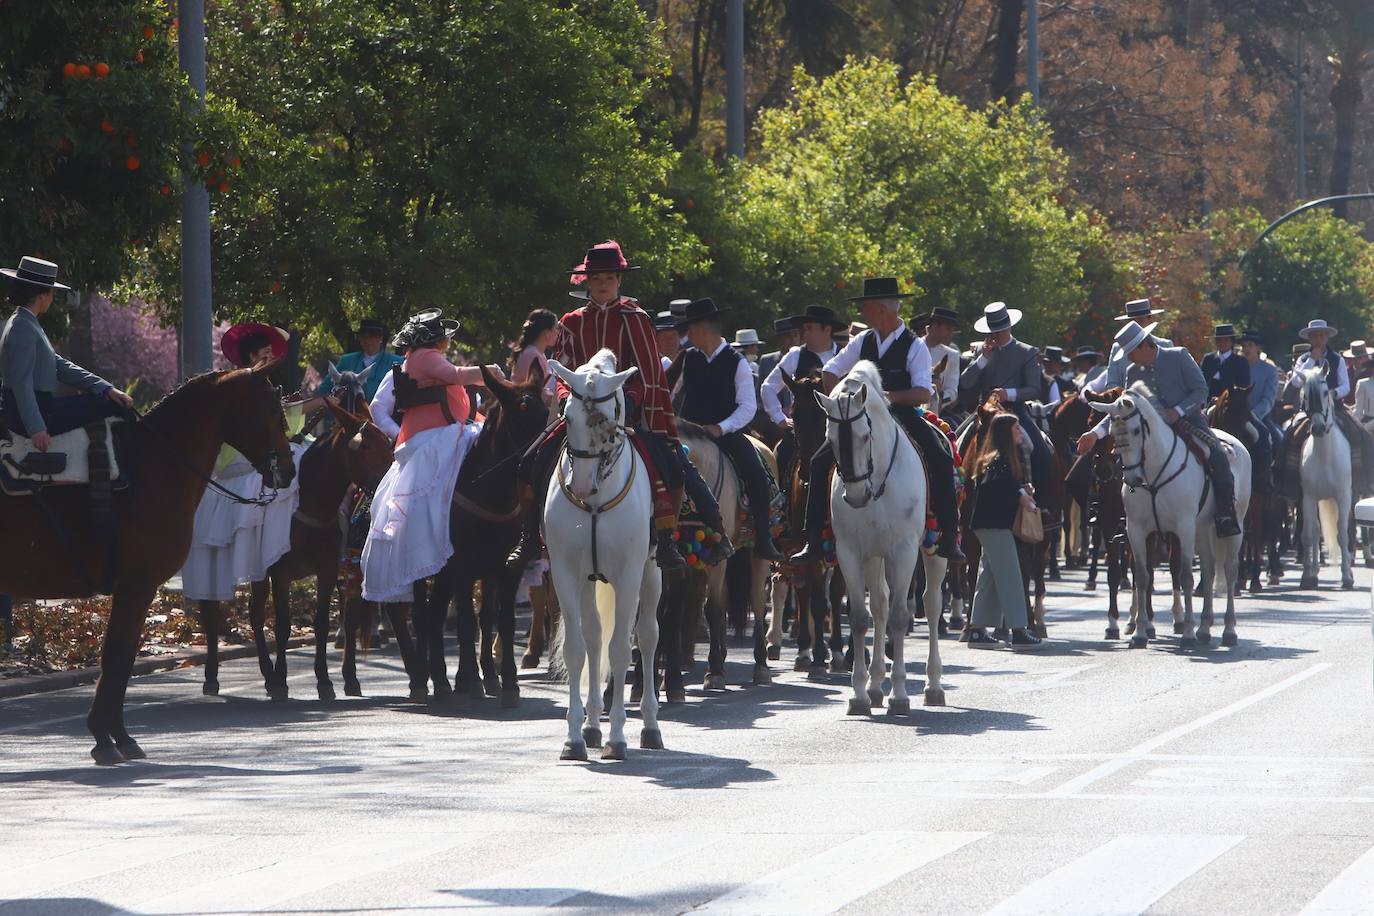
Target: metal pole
734, 78
1302, 123
197, 310
1033, 49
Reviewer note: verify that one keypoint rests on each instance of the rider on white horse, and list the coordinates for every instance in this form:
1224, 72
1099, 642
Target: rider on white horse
1179, 392
1318, 333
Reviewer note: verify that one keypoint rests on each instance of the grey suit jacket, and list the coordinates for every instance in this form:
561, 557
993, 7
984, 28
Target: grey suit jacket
1017, 365
29, 364
1264, 378
1117, 363
1175, 380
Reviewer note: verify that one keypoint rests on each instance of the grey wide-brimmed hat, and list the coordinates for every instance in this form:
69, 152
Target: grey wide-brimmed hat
1316, 324
1133, 335
35, 272
1139, 308
746, 337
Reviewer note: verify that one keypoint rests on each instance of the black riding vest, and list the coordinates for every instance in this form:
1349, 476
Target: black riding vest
708, 388
410, 394
808, 363
1331, 378
892, 364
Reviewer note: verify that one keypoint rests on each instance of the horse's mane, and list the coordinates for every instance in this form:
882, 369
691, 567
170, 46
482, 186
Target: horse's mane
603, 362
192, 385
864, 375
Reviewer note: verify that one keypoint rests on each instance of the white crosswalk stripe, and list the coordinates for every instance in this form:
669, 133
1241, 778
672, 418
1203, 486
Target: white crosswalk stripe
836, 877
1122, 876
1352, 892
82, 863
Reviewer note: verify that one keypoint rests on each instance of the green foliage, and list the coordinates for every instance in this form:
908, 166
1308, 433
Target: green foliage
860, 175
1314, 266
400, 154
90, 112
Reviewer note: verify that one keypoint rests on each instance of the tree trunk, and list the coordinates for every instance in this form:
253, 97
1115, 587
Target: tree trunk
1346, 96
1006, 49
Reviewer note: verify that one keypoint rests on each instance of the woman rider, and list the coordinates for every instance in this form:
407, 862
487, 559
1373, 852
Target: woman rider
30, 370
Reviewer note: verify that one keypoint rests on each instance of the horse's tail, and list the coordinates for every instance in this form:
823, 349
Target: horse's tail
558, 666
739, 577
605, 609
1326, 511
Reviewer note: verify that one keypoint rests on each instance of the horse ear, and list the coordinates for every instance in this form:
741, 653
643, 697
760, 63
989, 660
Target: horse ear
496, 384
827, 403
620, 378
1103, 406
565, 375
861, 398
333, 372
788, 381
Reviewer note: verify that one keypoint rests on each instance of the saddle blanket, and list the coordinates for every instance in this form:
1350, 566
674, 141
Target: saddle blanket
75, 445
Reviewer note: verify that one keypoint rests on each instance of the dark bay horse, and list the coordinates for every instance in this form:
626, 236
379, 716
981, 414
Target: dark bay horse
1231, 412
170, 454
353, 453
484, 526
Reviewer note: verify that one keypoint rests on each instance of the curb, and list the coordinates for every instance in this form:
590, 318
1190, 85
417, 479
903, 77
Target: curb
77, 677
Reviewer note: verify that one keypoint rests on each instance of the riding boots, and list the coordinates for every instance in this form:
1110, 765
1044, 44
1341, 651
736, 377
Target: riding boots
1224, 484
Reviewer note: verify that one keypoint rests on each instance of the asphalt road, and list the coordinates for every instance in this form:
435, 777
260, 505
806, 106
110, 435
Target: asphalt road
1085, 778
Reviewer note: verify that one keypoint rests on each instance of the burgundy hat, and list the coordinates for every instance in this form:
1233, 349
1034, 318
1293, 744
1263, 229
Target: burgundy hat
231, 344
603, 258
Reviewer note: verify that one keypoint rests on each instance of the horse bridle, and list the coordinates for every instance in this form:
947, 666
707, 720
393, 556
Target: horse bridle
1324, 409
846, 451
1155, 486
606, 458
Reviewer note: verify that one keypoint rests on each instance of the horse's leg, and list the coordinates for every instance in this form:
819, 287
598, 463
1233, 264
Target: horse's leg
1038, 621
1311, 541
1232, 563
820, 612
778, 603
325, 580
837, 642
646, 632
209, 622
1114, 563
410, 650
717, 627
881, 600
957, 594
759, 601
899, 614
1186, 546
576, 594
591, 630
539, 634
854, 569
1209, 547
619, 655
281, 613
457, 586
257, 619
935, 568
128, 609
355, 619
430, 632
674, 689
1142, 581
1094, 548
504, 587
487, 619
1343, 516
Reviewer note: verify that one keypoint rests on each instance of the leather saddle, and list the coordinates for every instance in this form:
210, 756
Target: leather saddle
75, 457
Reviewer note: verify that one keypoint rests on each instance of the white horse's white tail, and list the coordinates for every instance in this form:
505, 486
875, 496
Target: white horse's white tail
1329, 511
605, 609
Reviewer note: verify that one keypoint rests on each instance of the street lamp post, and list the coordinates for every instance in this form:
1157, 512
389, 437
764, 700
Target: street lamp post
196, 306
734, 78
1033, 49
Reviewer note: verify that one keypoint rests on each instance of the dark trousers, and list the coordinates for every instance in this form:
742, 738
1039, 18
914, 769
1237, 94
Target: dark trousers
62, 415
745, 458
1218, 465
939, 467
6, 619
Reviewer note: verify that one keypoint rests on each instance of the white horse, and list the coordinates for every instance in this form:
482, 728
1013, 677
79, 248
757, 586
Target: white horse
596, 526
1325, 476
1165, 490
878, 511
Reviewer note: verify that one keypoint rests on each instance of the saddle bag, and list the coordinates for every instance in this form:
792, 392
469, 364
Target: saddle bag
42, 464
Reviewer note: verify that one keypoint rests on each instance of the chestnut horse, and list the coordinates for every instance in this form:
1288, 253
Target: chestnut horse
169, 455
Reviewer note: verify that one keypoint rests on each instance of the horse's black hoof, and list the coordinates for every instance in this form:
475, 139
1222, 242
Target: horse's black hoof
1089, 586
1204, 640
492, 686
817, 673
859, 707
899, 706
1229, 639
279, 694
1347, 584
1139, 642
1041, 631
839, 666
574, 750
476, 691
614, 750
510, 699
651, 739
106, 755
675, 695
762, 675
131, 750
934, 696
1308, 582
325, 690
529, 662
1187, 642
1150, 631
353, 689
801, 663
591, 736
419, 694
442, 692
774, 653
1178, 628
210, 688
714, 682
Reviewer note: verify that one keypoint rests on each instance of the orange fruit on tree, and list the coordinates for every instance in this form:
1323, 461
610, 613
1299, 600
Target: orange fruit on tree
132, 163
83, 72
166, 190
106, 126
69, 69
138, 58
202, 159
147, 31
102, 70
223, 187
235, 162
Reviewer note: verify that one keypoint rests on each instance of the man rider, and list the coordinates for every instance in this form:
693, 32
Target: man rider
818, 326
1225, 367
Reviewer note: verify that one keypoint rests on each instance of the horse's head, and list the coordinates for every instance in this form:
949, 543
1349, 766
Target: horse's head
369, 451
1316, 401
849, 429
808, 419
523, 413
1131, 415
254, 423
595, 414
348, 386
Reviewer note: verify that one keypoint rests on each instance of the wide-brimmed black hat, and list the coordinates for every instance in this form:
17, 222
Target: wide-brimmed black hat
429, 327
786, 325
1087, 352
604, 258
1053, 354
1139, 308
820, 314
881, 288
1251, 336
35, 272
665, 321
1224, 330
939, 313
371, 326
699, 310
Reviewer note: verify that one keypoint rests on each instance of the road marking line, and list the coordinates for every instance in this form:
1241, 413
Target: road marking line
856, 868
1122, 876
83, 863
1350, 893
1121, 761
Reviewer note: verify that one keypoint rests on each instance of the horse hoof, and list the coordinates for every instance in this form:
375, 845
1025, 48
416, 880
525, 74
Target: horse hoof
491, 687
591, 736
574, 750
419, 694
935, 696
1308, 582
1204, 639
1139, 642
816, 673
1187, 642
279, 694
528, 662
1113, 632
1178, 627
1089, 586
1228, 639
106, 755
210, 688
1041, 631
1347, 584
801, 663
1130, 629
714, 682
510, 699
353, 689
614, 750
476, 691
651, 739
899, 706
1150, 631
762, 675
839, 666
859, 707
956, 621
774, 653
326, 690
131, 750
875, 697
675, 695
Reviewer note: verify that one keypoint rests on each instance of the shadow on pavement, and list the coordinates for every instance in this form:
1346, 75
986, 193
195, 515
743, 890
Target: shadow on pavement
671, 769
61, 906
150, 773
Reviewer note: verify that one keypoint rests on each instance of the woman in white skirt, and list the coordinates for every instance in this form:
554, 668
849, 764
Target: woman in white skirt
409, 536
232, 543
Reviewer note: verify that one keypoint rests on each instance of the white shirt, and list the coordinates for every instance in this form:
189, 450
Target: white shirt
949, 379
917, 358
666, 362
383, 405
745, 405
1364, 400
771, 389
368, 361
1307, 362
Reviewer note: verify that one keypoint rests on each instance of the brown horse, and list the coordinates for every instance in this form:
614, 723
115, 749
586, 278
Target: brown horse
1231, 412
170, 454
354, 453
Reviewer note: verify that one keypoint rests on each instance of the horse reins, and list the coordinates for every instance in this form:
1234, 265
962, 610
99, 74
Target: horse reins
265, 495
846, 433
1155, 486
605, 460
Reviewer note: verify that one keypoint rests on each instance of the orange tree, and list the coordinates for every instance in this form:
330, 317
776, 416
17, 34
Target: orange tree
92, 119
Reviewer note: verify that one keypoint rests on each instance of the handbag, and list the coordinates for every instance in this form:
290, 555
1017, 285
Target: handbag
1028, 526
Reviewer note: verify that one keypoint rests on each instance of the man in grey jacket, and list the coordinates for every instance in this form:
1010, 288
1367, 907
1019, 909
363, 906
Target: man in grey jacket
30, 370
1178, 391
1010, 371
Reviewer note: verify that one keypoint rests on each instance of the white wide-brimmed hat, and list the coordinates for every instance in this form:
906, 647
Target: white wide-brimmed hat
997, 317
1316, 324
747, 337
1133, 335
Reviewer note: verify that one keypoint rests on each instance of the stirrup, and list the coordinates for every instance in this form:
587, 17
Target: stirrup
810, 553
